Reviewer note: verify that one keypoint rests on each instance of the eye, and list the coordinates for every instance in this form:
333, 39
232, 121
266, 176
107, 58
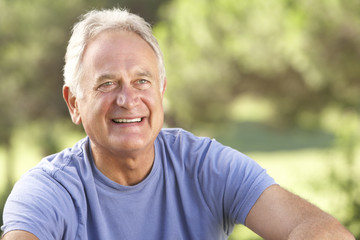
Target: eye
107, 86
143, 81
142, 84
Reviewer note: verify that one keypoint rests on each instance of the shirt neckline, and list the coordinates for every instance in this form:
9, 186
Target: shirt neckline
106, 182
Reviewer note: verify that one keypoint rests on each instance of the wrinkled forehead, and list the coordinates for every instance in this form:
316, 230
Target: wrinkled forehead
119, 44
116, 53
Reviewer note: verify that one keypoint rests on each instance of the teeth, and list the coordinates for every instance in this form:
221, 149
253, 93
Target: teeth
127, 120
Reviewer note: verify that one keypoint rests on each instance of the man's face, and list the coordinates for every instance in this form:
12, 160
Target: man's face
121, 108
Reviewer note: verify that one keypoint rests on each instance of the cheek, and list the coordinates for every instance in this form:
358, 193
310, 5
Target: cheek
154, 101
93, 107
157, 113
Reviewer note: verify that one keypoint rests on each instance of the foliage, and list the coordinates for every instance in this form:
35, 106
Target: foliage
348, 184
32, 47
300, 55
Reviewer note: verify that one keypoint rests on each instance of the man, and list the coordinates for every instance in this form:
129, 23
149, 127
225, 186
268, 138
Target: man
131, 179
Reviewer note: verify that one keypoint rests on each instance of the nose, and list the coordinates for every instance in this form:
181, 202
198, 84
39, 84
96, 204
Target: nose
127, 97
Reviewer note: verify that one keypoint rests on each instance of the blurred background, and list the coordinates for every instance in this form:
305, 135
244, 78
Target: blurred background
278, 80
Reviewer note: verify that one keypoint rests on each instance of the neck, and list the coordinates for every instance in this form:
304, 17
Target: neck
124, 168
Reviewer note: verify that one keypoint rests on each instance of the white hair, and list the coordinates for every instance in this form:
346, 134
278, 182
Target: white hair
95, 22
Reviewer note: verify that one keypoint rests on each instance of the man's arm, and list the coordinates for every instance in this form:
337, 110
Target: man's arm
279, 214
19, 235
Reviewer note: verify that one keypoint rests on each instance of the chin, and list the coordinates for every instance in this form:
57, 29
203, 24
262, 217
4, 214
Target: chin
125, 145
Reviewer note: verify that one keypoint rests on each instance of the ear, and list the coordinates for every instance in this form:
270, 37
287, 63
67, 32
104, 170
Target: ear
163, 88
72, 105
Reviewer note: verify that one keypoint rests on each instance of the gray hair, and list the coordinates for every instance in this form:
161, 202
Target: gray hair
95, 22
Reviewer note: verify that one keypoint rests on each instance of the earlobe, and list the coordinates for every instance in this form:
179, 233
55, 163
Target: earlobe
72, 105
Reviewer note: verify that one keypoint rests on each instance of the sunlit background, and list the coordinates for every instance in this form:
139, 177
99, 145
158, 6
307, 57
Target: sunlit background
278, 80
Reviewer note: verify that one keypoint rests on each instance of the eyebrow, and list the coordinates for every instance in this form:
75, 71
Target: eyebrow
102, 77
109, 76
143, 73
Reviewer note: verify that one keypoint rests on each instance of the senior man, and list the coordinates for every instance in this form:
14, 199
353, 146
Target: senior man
131, 179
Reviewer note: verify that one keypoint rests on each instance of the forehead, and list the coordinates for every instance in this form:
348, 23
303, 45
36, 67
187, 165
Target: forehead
115, 48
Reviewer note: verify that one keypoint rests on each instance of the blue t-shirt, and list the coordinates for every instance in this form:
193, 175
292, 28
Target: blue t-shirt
197, 189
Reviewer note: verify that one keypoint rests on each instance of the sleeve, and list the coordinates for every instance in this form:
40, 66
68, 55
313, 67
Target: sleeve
233, 183
39, 205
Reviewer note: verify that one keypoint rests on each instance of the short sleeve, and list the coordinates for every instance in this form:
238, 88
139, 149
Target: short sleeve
233, 182
40, 205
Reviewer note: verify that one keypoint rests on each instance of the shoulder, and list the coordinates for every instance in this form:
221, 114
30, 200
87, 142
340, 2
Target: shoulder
65, 173
67, 157
178, 137
48, 171
200, 154
65, 167
40, 205
45, 195
47, 177
183, 147
174, 133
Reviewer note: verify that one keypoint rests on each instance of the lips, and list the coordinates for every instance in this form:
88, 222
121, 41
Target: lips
127, 120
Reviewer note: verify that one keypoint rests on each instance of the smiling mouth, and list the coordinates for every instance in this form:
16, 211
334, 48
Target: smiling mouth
122, 120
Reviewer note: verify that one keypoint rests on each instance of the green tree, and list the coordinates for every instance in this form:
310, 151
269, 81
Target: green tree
300, 55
